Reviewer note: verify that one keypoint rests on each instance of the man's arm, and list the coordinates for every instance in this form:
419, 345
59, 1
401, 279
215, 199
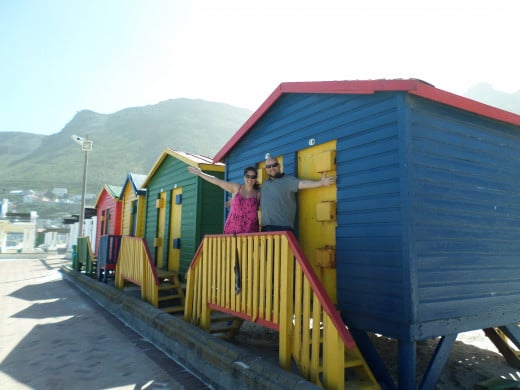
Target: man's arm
323, 182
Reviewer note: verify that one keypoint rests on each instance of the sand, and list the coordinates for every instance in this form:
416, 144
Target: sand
473, 360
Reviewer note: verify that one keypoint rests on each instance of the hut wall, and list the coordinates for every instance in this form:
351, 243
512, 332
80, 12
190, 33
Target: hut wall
369, 233
428, 219
202, 208
131, 215
463, 219
128, 199
108, 204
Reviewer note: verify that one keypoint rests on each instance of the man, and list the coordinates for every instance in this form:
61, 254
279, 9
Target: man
278, 196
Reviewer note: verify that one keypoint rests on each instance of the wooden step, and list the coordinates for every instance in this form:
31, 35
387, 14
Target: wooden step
355, 362
360, 385
162, 287
173, 309
224, 325
357, 373
169, 297
504, 346
162, 274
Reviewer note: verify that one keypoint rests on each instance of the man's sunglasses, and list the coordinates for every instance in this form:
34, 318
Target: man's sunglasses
267, 166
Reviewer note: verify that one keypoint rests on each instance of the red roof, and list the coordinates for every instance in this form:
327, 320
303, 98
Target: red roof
412, 86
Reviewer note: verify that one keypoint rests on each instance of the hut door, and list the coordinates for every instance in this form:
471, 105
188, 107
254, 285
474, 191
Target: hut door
317, 213
159, 239
174, 251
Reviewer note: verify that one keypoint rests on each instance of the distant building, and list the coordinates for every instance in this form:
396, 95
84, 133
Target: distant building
18, 232
59, 192
4, 206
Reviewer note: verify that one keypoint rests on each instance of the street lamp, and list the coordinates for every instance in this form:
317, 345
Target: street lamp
86, 146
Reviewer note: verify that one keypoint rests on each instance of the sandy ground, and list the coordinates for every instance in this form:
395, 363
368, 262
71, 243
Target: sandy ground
473, 359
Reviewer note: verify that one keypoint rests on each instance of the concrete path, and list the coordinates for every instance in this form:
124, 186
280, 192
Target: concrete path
53, 336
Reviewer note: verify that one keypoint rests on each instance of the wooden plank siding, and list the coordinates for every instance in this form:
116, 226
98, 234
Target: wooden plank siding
131, 199
427, 206
108, 202
368, 252
202, 208
128, 196
464, 189
428, 218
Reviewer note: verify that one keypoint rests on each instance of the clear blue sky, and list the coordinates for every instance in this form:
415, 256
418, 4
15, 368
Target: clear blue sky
58, 57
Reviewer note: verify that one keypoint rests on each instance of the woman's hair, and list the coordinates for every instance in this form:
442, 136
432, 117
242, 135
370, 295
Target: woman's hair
250, 169
256, 186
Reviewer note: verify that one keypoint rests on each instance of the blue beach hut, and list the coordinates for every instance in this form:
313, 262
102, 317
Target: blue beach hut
421, 236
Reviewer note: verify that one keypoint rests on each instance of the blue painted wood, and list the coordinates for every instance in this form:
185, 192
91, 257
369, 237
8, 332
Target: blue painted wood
513, 333
407, 364
107, 255
438, 361
428, 218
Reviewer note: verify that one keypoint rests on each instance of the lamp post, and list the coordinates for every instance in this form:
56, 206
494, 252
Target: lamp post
86, 146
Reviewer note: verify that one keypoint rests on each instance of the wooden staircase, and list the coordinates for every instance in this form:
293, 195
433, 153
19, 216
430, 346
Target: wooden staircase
352, 367
224, 325
85, 259
171, 293
357, 373
279, 290
507, 340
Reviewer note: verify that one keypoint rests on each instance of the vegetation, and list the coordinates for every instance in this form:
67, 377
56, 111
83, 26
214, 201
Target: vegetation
128, 141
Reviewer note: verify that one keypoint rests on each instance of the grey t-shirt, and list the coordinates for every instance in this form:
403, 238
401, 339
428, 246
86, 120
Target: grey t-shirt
278, 201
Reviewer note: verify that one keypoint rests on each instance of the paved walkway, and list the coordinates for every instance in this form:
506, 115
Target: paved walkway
53, 336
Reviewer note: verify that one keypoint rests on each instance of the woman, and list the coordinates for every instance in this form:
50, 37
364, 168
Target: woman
243, 215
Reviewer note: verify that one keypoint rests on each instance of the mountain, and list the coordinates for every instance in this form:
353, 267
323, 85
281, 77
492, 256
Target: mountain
485, 93
131, 140
128, 141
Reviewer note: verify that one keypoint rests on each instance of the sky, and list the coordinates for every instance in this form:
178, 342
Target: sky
58, 57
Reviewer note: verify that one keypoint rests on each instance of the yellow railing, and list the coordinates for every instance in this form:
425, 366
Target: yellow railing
135, 265
278, 289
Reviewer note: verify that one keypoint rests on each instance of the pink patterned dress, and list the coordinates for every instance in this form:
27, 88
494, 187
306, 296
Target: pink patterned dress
243, 216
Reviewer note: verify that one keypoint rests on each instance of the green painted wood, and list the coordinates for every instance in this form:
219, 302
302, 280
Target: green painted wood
202, 208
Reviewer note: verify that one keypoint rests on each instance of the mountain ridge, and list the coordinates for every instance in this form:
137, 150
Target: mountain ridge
127, 141
131, 139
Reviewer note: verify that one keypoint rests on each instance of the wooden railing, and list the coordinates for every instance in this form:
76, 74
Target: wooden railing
135, 265
278, 289
107, 254
85, 258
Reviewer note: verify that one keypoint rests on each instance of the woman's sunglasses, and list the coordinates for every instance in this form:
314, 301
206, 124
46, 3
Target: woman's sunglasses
250, 176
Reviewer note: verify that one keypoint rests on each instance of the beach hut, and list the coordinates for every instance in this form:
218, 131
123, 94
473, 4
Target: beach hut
420, 237
181, 208
109, 211
133, 198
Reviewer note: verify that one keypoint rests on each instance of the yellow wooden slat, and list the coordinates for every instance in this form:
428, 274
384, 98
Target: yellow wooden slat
298, 320
305, 358
285, 321
317, 313
248, 301
276, 286
269, 280
255, 268
205, 321
333, 357
263, 271
231, 280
